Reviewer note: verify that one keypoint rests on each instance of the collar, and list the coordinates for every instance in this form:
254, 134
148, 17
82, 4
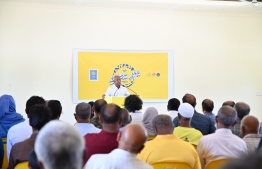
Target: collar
172, 111
122, 152
166, 136
253, 136
223, 131
108, 133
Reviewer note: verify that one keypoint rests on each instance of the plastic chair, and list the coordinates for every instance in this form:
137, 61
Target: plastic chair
217, 164
22, 165
5, 160
171, 165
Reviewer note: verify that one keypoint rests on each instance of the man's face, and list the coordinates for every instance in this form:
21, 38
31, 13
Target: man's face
117, 80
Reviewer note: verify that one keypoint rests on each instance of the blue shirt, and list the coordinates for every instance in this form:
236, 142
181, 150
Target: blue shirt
200, 122
212, 117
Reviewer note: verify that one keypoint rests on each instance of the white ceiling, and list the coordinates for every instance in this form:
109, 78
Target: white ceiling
168, 5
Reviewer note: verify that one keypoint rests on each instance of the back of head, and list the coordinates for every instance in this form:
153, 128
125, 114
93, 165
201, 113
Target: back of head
250, 125
163, 124
173, 104
242, 109
227, 116
229, 103
91, 103
33, 101
56, 108
208, 105
39, 115
189, 98
110, 114
59, 146
83, 110
99, 104
133, 103
126, 117
32, 160
132, 138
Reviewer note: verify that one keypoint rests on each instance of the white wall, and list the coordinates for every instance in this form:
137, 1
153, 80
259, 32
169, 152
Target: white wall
217, 56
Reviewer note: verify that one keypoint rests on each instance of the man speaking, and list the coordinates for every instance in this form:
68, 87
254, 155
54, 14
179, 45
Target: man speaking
116, 89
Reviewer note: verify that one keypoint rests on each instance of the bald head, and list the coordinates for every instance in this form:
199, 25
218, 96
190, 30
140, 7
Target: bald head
163, 124
132, 138
189, 98
229, 103
242, 109
207, 105
111, 114
98, 105
249, 125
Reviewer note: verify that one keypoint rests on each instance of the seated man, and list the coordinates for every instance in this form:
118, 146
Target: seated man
130, 142
207, 108
249, 127
184, 131
222, 144
23, 130
126, 119
198, 121
97, 109
39, 115
167, 147
172, 107
82, 116
105, 141
56, 109
59, 146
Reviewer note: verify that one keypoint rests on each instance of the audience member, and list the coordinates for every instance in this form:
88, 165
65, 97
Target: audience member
148, 117
8, 115
91, 103
199, 121
134, 104
249, 127
130, 142
39, 115
82, 116
126, 119
23, 130
222, 144
56, 109
167, 147
184, 131
105, 141
242, 109
172, 107
59, 146
229, 103
207, 108
97, 108
32, 160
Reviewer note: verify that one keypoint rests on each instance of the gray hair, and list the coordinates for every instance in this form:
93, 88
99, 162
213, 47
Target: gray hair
60, 146
163, 121
227, 116
83, 110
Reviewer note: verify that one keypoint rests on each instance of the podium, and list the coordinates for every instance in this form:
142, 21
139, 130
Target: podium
116, 100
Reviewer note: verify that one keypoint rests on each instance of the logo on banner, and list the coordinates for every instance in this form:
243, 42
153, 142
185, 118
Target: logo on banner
127, 74
93, 74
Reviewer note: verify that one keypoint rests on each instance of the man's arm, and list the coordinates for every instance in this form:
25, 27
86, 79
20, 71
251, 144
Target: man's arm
9, 143
212, 127
200, 152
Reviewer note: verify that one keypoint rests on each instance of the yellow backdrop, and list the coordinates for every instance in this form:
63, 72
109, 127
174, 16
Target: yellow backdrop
144, 73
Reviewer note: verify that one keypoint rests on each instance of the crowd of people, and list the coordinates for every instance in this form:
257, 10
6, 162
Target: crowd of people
127, 137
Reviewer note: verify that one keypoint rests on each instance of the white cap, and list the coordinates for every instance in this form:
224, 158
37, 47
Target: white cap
186, 110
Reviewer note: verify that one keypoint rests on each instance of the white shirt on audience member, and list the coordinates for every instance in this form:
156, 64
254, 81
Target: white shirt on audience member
85, 128
116, 159
172, 114
114, 91
17, 133
222, 144
137, 117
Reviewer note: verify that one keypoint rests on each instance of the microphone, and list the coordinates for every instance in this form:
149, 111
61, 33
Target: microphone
131, 90
116, 91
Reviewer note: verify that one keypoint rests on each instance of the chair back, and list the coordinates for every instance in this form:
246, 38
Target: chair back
5, 160
171, 165
217, 164
22, 165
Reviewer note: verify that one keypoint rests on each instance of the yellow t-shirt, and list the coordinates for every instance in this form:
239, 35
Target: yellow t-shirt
187, 134
169, 148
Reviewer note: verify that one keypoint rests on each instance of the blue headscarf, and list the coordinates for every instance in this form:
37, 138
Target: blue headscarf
8, 114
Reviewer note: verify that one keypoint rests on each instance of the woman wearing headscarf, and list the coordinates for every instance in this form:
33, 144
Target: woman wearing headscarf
149, 114
8, 114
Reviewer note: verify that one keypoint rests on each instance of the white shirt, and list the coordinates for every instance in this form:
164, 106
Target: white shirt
137, 117
117, 159
18, 133
114, 91
172, 114
220, 145
85, 128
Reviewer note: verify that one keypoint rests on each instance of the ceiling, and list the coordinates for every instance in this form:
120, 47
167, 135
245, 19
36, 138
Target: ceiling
237, 6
